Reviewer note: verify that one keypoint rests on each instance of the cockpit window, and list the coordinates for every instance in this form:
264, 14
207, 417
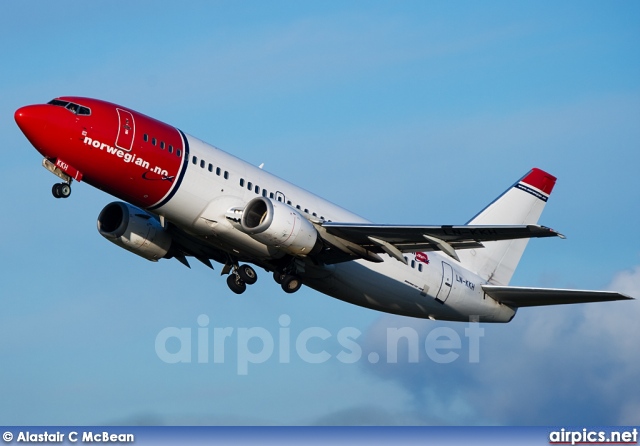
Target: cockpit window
58, 102
73, 108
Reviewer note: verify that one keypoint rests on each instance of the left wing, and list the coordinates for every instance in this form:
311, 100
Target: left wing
534, 297
394, 240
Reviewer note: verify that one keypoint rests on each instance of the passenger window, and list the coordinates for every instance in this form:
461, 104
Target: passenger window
306, 211
210, 167
413, 264
314, 214
271, 195
178, 152
249, 185
226, 175
154, 141
297, 206
264, 193
420, 267
289, 202
241, 182
145, 138
170, 148
194, 160
218, 171
257, 190
162, 145
202, 163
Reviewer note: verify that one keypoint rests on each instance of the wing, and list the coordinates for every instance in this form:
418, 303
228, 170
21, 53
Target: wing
534, 297
394, 240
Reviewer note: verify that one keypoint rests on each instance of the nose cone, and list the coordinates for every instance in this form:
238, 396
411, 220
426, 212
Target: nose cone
33, 121
30, 119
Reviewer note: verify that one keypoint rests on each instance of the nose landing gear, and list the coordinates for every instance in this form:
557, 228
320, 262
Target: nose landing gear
61, 190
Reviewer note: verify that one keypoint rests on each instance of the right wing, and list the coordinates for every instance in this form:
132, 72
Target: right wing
368, 240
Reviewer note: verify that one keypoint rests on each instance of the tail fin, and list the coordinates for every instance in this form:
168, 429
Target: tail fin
521, 204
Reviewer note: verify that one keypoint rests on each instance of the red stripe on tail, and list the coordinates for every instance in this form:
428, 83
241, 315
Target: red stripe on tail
540, 179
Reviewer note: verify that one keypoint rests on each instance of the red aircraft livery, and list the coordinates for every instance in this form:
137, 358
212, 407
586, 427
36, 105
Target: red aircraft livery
183, 198
140, 158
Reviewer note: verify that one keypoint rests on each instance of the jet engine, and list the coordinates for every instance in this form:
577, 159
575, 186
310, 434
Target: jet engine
278, 225
135, 230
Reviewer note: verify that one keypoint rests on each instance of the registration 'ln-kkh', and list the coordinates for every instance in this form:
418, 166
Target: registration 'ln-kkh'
185, 198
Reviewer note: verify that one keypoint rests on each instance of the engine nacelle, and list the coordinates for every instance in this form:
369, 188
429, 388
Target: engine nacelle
135, 230
278, 225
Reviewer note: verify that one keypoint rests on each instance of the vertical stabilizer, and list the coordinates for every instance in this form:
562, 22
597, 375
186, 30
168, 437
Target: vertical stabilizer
521, 204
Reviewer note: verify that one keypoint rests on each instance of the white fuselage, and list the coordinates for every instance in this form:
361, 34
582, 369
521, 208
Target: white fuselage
439, 289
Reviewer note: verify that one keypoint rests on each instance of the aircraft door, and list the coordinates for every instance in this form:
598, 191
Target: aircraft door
280, 197
126, 130
446, 284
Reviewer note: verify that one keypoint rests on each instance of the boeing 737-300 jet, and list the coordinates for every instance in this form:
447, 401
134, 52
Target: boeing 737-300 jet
185, 198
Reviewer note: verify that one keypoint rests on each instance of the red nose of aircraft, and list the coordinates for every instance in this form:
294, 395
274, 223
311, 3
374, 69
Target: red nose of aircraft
32, 120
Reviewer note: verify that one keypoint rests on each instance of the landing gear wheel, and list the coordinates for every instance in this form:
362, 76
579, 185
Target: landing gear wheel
61, 190
64, 189
247, 274
278, 277
236, 284
291, 284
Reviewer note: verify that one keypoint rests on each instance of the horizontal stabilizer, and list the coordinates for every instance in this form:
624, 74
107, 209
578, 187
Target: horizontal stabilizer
534, 297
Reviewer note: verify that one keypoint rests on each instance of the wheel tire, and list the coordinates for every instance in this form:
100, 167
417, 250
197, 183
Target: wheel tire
64, 190
278, 277
236, 284
55, 190
247, 274
291, 284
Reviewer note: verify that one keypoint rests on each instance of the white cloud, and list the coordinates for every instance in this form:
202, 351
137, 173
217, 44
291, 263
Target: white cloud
574, 364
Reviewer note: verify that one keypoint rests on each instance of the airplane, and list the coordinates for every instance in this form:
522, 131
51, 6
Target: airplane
185, 198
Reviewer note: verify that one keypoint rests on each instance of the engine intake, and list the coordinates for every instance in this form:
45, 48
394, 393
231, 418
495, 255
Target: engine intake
135, 230
278, 225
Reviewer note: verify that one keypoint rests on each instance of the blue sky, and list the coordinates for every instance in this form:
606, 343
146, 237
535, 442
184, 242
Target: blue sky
420, 112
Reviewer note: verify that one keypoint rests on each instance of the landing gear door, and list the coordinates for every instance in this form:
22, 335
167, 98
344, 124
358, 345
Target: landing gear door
446, 284
126, 130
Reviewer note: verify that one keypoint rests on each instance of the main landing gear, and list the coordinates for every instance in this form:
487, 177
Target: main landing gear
242, 276
290, 283
61, 190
